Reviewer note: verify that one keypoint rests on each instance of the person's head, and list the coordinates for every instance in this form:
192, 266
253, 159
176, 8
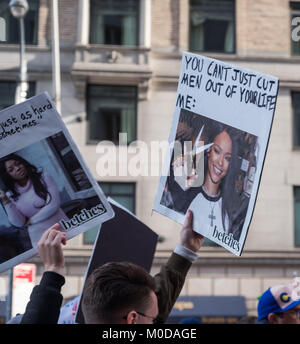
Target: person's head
280, 305
221, 166
16, 170
119, 292
219, 157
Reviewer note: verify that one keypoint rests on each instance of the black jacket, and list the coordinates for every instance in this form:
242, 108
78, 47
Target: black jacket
45, 300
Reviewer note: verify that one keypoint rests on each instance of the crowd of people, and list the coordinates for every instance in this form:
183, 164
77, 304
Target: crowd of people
121, 292
124, 293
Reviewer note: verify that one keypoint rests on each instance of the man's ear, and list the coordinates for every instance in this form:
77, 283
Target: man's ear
132, 317
273, 318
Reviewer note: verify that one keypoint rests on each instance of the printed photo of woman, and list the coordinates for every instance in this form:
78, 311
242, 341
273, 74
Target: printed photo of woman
31, 198
221, 200
214, 202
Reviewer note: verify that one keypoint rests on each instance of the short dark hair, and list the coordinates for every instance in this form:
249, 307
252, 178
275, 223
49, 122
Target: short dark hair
113, 290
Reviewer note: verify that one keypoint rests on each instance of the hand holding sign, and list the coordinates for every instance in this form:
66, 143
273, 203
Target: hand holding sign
50, 249
43, 185
222, 123
189, 238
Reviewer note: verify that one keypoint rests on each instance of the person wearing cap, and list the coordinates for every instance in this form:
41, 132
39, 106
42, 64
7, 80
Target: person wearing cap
280, 304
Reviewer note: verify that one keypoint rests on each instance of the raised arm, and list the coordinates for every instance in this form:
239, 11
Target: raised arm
171, 278
46, 299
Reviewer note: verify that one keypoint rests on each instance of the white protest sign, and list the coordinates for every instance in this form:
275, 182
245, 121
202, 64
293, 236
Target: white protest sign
43, 181
218, 142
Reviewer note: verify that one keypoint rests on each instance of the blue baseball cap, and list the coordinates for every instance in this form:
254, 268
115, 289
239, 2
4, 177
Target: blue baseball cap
278, 299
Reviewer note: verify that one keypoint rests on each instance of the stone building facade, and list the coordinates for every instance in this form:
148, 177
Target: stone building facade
262, 34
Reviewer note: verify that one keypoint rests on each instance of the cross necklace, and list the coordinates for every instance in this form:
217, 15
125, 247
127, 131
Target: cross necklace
211, 215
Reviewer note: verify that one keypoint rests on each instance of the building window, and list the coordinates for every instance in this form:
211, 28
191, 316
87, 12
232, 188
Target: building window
295, 13
212, 26
123, 193
296, 119
12, 29
297, 214
111, 110
8, 93
114, 22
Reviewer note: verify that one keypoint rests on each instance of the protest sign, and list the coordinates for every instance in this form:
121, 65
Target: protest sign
43, 181
123, 239
217, 147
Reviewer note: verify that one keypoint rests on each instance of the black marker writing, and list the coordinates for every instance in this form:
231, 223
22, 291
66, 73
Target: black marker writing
195, 63
257, 98
218, 71
40, 110
213, 86
264, 84
230, 91
15, 124
191, 80
243, 78
186, 102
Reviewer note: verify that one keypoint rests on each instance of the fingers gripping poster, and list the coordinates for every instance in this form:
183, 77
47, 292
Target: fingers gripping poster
217, 147
43, 181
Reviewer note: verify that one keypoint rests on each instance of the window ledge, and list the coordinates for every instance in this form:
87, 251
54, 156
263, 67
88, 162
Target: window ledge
255, 58
220, 255
134, 143
112, 55
109, 47
177, 54
111, 74
28, 47
160, 53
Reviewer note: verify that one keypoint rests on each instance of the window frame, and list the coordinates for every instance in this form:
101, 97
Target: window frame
94, 142
107, 194
295, 147
133, 184
294, 11
213, 51
30, 92
35, 41
296, 200
138, 30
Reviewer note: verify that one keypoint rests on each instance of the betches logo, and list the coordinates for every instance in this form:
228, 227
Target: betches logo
84, 216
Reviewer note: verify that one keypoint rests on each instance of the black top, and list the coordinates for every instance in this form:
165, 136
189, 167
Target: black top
45, 300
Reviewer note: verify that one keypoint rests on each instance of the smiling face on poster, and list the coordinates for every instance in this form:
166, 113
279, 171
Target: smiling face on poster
217, 146
43, 181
